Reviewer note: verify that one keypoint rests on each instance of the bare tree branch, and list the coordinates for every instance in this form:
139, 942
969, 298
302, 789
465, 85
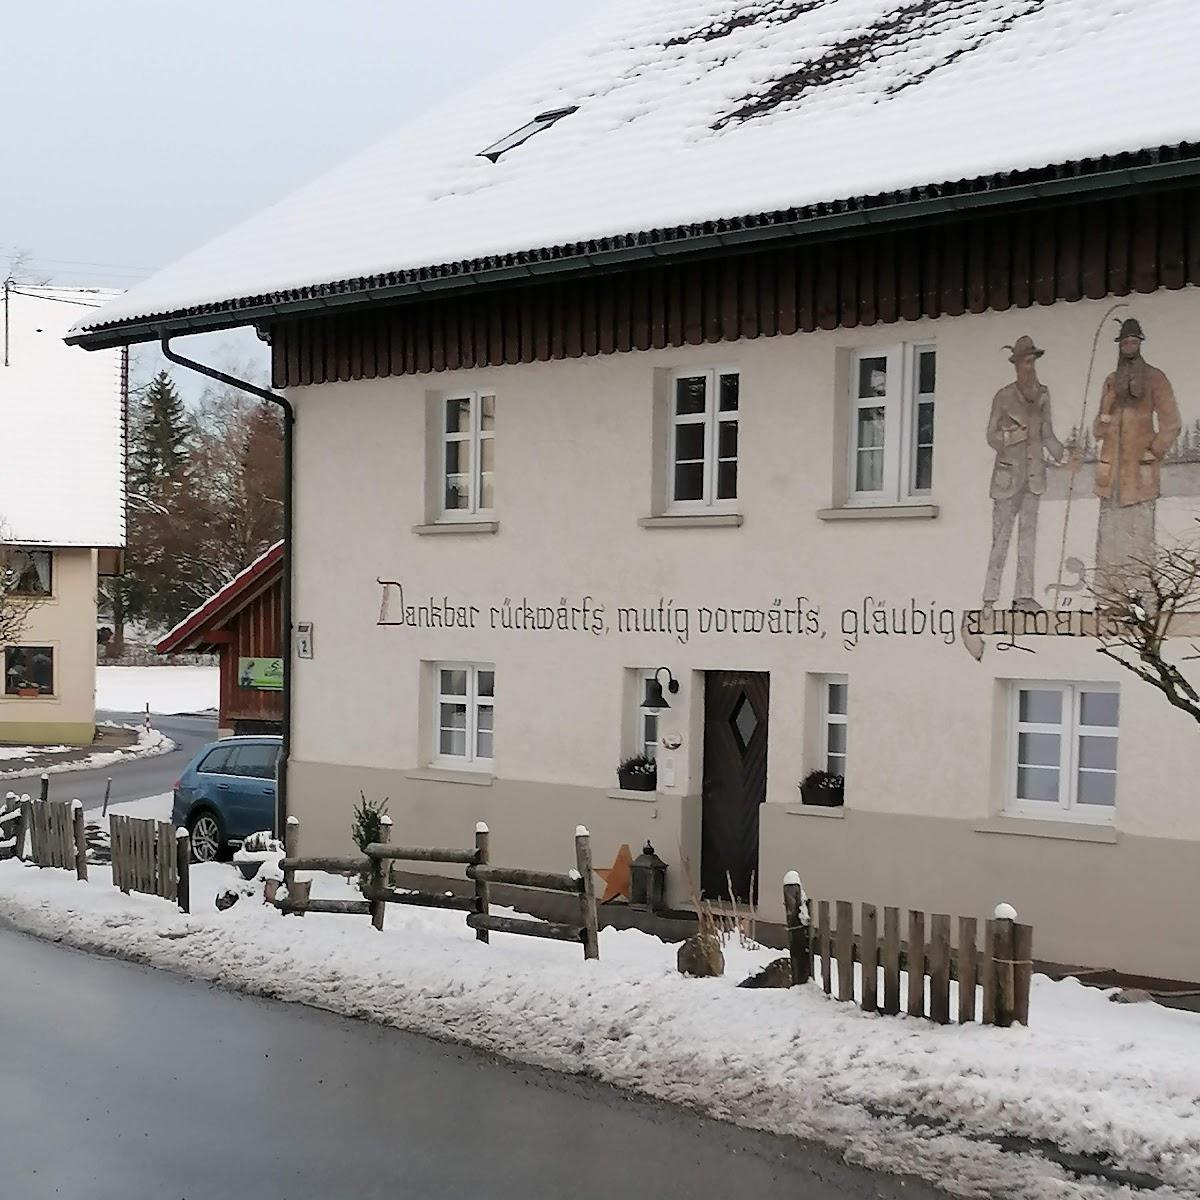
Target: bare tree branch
1142, 600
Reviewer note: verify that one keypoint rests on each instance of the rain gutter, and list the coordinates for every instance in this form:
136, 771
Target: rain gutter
1112, 183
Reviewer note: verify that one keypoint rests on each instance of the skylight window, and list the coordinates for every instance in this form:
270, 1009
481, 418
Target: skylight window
514, 139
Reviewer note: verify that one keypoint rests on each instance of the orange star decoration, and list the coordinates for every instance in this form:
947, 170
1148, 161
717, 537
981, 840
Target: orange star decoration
617, 878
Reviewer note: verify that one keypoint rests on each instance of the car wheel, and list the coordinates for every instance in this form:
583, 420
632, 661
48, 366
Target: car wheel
207, 839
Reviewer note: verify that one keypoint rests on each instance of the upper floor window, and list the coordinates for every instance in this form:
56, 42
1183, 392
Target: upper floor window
29, 670
464, 717
27, 572
893, 394
704, 439
1063, 761
468, 450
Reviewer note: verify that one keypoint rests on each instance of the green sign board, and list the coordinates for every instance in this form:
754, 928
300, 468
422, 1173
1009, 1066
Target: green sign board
263, 674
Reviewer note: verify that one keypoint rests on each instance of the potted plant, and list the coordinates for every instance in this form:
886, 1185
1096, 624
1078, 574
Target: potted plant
27, 689
823, 788
638, 774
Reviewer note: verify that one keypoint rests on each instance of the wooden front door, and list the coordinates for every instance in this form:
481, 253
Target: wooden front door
735, 781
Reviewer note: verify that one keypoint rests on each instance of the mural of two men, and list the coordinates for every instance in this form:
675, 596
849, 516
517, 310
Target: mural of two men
1135, 428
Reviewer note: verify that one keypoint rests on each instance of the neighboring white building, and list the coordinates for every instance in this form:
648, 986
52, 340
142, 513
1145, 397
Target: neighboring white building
62, 506
713, 339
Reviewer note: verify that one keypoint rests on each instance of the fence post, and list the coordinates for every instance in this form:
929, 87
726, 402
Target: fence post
80, 839
482, 896
45, 792
1002, 964
378, 872
183, 861
1022, 971
291, 841
22, 825
799, 935
587, 896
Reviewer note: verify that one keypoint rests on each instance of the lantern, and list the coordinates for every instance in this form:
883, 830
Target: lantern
648, 881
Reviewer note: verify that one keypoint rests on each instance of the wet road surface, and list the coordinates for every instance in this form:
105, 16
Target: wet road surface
135, 779
119, 1082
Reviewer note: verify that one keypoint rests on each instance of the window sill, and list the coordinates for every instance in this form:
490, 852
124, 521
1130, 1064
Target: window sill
637, 797
692, 520
879, 512
837, 812
1067, 831
437, 527
442, 775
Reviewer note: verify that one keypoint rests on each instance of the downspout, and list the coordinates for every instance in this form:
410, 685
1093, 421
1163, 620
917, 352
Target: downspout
281, 791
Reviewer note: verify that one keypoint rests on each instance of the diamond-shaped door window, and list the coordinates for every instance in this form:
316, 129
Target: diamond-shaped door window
743, 721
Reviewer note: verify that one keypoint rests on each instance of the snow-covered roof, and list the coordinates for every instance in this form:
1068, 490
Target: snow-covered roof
689, 111
62, 482
224, 603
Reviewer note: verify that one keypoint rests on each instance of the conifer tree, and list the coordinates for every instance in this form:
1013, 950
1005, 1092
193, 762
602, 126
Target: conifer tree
161, 442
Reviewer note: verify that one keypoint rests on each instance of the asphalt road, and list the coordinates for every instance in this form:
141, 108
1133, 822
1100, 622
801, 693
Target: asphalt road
140, 777
124, 1083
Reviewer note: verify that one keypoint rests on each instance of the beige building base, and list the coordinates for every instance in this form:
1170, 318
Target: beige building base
47, 733
1096, 897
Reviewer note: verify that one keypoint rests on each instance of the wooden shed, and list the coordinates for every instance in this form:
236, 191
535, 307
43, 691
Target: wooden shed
243, 625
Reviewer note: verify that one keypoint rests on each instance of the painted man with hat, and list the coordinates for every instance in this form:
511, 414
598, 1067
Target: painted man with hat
1022, 435
1137, 425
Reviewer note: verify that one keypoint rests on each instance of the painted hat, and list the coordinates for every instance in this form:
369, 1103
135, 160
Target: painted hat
1130, 328
1023, 346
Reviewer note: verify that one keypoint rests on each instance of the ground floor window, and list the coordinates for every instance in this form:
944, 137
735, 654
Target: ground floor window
465, 714
644, 721
1063, 761
29, 670
835, 697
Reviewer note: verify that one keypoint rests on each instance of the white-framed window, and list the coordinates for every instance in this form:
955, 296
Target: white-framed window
893, 393
1063, 754
703, 451
464, 714
643, 722
468, 454
835, 696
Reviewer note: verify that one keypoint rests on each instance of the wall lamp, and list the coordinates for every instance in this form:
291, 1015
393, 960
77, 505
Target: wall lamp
655, 700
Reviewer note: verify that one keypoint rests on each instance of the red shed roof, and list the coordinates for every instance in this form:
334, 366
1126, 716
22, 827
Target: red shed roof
222, 605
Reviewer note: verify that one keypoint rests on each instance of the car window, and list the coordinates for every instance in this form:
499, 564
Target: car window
254, 760
216, 762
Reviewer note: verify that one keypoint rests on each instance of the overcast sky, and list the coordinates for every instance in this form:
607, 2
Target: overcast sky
134, 130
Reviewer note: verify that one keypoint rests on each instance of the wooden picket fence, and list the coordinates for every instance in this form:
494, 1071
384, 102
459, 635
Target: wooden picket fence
150, 857
928, 957
378, 893
50, 831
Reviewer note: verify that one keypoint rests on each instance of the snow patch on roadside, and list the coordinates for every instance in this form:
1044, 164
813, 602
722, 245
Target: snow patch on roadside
1114, 1081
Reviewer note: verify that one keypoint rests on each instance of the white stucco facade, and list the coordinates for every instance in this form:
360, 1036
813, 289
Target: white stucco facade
580, 461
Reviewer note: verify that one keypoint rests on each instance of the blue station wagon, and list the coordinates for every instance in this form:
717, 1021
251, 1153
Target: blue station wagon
227, 793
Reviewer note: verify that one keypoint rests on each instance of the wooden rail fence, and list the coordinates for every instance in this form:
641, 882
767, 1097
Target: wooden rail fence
151, 857
1004, 966
378, 892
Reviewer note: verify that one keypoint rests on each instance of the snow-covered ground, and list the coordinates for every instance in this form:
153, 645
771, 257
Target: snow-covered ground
1116, 1082
167, 690
21, 761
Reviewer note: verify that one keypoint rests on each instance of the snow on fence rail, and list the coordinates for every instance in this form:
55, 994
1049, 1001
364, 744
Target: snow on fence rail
379, 856
1004, 968
151, 857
